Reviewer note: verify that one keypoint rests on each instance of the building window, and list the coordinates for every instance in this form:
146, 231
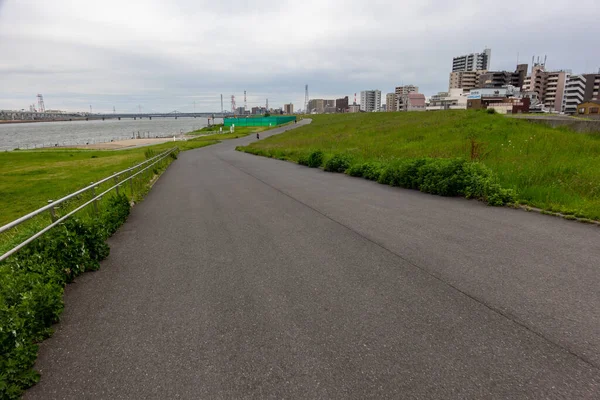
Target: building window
581, 110
594, 110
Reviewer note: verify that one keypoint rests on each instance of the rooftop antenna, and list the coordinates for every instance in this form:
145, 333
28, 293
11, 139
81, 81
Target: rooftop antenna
545, 57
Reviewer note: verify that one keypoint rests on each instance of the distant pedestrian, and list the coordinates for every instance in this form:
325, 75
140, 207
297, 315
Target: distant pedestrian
257, 136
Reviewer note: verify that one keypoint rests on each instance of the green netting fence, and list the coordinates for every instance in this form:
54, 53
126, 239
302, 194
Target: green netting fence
259, 121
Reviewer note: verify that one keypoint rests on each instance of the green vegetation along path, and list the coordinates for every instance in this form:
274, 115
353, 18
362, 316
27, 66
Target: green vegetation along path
246, 277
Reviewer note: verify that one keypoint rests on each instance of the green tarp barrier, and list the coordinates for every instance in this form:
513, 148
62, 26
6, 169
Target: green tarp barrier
259, 121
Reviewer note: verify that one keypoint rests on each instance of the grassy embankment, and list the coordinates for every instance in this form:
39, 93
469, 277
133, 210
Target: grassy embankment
551, 168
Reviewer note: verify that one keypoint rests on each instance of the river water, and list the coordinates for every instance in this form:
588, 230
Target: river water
63, 133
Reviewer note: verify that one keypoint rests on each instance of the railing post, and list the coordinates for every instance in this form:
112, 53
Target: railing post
117, 183
131, 183
52, 212
95, 200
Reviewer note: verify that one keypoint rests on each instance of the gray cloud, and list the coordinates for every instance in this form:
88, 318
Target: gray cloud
168, 55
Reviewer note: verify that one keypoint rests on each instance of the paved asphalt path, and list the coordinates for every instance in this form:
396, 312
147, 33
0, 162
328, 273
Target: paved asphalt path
246, 277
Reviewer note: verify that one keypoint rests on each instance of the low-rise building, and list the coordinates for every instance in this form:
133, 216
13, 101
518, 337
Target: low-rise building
454, 99
502, 105
288, 108
354, 108
589, 108
415, 102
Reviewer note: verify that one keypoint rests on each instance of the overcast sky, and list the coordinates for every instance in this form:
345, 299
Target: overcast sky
167, 54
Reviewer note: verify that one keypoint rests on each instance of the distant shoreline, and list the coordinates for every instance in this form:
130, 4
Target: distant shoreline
25, 121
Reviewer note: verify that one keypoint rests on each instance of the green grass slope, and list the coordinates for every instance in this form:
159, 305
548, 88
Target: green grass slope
554, 169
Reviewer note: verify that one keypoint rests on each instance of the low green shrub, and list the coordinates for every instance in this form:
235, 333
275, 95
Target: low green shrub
454, 177
31, 288
368, 170
338, 163
315, 159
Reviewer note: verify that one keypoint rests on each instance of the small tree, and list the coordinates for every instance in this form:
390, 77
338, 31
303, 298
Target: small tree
267, 114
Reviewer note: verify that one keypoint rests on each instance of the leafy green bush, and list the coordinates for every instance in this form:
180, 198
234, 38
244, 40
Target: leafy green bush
31, 288
368, 170
303, 160
454, 177
315, 159
338, 163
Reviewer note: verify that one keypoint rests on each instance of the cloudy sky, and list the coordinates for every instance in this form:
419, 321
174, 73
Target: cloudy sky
164, 55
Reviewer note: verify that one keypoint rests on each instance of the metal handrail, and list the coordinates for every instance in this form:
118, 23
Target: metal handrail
51, 206
70, 196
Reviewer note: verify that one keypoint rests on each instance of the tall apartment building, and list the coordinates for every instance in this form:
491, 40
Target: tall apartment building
548, 85
390, 102
402, 93
496, 79
341, 105
370, 100
288, 108
465, 80
473, 61
580, 89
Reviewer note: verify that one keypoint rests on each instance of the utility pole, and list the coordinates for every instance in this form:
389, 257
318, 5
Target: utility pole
221, 104
114, 110
267, 105
90, 108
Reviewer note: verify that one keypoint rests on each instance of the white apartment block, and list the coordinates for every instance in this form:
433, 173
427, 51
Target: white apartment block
473, 61
370, 100
579, 89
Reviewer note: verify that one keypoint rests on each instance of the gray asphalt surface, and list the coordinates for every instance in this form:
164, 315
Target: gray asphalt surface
246, 277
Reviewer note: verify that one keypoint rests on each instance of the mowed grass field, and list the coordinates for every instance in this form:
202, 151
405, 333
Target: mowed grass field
28, 179
551, 168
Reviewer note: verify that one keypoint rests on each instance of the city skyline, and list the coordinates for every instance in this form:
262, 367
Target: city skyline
167, 58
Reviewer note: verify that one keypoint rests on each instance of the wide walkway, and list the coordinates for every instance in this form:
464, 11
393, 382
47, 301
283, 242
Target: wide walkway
247, 277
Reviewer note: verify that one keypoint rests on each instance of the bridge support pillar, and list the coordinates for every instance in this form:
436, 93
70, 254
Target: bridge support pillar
150, 118
119, 118
134, 118
175, 117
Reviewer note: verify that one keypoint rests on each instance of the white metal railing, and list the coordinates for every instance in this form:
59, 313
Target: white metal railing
95, 197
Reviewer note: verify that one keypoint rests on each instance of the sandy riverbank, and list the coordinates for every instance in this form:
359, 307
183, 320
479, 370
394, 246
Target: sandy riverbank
122, 144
